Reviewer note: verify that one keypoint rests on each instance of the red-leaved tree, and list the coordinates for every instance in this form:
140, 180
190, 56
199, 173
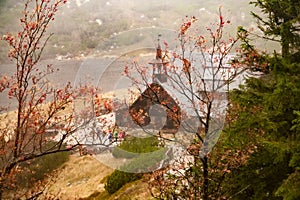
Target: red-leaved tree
27, 130
198, 75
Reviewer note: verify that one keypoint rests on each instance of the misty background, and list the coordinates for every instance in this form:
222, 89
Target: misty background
94, 39
84, 27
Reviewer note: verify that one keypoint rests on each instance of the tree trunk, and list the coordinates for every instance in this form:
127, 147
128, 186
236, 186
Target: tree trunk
285, 38
205, 178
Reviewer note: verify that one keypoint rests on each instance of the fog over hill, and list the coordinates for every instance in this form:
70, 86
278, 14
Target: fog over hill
88, 26
91, 35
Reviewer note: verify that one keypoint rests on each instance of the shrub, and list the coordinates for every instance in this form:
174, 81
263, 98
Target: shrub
145, 154
145, 162
119, 178
132, 145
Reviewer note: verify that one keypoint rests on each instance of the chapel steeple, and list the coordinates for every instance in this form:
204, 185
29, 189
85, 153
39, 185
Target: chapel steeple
159, 65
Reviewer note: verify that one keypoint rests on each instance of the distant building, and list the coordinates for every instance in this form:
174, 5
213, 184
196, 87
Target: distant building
161, 92
155, 94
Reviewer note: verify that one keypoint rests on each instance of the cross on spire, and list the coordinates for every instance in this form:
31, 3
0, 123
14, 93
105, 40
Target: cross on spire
158, 50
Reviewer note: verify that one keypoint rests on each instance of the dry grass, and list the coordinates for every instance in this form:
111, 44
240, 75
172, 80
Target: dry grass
80, 177
84, 177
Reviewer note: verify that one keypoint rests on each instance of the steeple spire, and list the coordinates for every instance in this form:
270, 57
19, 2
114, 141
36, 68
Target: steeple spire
159, 65
158, 49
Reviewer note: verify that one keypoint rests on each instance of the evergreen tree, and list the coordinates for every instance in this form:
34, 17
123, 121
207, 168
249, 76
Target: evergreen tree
266, 111
281, 20
266, 117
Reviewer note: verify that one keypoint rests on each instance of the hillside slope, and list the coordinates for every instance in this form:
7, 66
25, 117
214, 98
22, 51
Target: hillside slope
83, 177
78, 178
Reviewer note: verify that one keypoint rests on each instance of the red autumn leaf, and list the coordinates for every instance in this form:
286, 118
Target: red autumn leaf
186, 65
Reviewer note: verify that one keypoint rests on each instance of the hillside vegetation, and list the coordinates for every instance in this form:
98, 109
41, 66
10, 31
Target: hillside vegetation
84, 27
84, 177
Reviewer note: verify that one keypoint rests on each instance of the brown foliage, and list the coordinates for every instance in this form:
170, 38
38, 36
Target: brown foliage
41, 107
